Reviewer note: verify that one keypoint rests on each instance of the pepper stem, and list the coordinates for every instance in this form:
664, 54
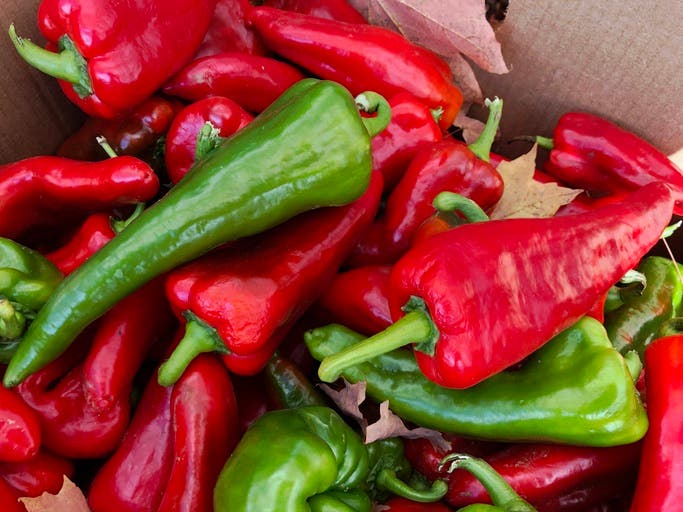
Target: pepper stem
199, 337
415, 327
450, 201
67, 65
482, 146
104, 144
502, 495
544, 142
208, 139
388, 480
12, 322
372, 103
118, 225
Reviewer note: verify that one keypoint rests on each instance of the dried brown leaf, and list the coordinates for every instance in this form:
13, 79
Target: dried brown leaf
348, 399
523, 197
69, 499
471, 128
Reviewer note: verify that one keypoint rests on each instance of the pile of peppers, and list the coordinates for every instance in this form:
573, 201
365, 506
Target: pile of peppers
266, 209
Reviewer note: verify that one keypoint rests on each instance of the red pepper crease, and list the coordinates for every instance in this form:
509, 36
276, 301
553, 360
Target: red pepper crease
132, 134
658, 487
594, 154
247, 296
225, 116
361, 57
340, 10
205, 431
228, 31
43, 473
20, 435
125, 50
49, 190
252, 81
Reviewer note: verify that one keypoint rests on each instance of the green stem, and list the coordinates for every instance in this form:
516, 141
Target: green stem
544, 142
199, 338
502, 495
208, 139
12, 322
67, 65
373, 103
482, 146
388, 480
450, 201
119, 225
633, 363
104, 144
414, 327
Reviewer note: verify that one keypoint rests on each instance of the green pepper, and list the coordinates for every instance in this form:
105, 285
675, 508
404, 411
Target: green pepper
638, 320
576, 389
310, 148
27, 279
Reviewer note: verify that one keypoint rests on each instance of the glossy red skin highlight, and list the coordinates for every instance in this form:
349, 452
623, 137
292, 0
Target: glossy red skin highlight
361, 57
181, 140
20, 435
228, 31
339, 10
130, 48
43, 473
252, 81
46, 190
205, 431
513, 292
658, 487
253, 292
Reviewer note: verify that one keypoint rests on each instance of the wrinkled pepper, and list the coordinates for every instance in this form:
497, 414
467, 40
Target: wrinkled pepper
587, 397
20, 436
133, 134
658, 486
340, 10
242, 300
181, 146
360, 57
251, 81
594, 154
228, 31
457, 286
288, 160
51, 191
446, 165
637, 322
111, 55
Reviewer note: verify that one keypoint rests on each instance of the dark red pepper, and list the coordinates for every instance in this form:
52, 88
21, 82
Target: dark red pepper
9, 498
225, 116
594, 154
244, 298
43, 473
658, 486
113, 55
133, 134
340, 10
252, 81
20, 435
252, 400
457, 286
228, 31
49, 190
361, 57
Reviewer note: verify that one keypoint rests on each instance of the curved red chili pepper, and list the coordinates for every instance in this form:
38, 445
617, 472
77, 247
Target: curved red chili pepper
131, 135
205, 431
43, 473
658, 486
252, 81
361, 57
339, 10
228, 31
225, 115
49, 190
20, 435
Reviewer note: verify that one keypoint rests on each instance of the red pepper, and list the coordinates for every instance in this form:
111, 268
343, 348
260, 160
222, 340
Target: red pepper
252, 400
20, 435
43, 473
457, 286
49, 190
594, 154
205, 431
225, 116
601, 495
252, 81
228, 31
658, 486
135, 477
114, 55
358, 299
133, 134
9, 498
361, 57
412, 126
243, 299
339, 10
